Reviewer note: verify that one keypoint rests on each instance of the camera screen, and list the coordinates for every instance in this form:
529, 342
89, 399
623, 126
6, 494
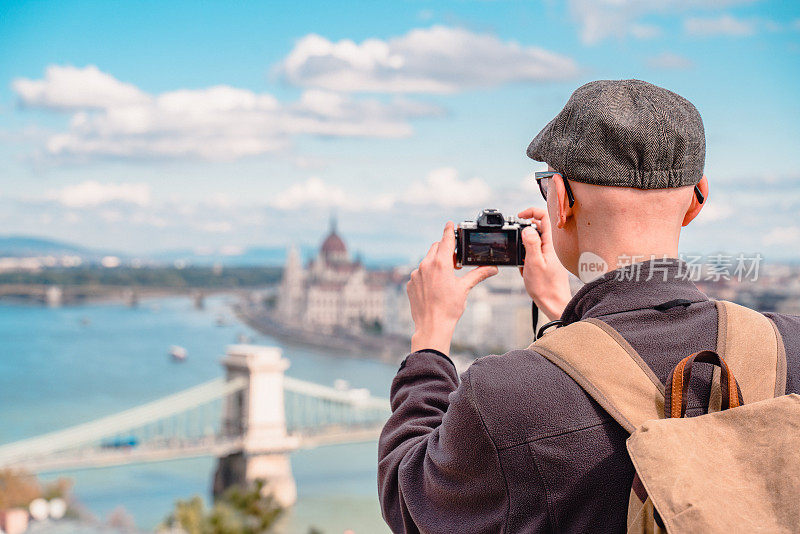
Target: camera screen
489, 248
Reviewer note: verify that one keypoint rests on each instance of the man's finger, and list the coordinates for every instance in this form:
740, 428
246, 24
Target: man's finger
532, 213
543, 225
478, 275
542, 220
447, 246
431, 251
533, 245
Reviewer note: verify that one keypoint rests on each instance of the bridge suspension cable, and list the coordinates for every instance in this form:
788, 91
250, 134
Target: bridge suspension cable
91, 432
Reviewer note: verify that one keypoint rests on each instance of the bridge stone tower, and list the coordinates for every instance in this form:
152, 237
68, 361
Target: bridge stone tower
256, 414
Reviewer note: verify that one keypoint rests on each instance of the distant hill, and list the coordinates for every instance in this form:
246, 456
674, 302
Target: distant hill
26, 246
256, 256
248, 257
18, 246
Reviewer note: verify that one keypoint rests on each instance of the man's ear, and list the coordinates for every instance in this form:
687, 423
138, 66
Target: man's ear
564, 209
696, 206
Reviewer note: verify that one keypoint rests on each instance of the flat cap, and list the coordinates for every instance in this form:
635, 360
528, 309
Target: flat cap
626, 133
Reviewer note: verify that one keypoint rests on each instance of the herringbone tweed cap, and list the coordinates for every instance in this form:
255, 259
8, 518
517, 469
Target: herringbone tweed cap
625, 133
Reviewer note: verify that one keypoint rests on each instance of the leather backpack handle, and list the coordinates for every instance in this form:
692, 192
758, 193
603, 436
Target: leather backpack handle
675, 394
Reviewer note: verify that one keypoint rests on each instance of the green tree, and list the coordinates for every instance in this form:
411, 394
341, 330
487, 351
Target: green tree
189, 515
239, 510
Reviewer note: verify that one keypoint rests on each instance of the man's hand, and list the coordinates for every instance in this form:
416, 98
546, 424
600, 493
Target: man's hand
546, 280
438, 297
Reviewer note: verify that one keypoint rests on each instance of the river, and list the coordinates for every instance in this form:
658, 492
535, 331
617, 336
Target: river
63, 366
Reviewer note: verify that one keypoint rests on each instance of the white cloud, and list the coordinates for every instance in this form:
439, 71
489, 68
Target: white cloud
409, 215
715, 211
432, 60
443, 187
722, 25
113, 119
601, 19
788, 236
311, 193
149, 218
111, 215
70, 88
217, 227
668, 60
93, 193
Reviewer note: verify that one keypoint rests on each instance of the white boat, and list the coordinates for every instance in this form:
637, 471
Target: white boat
178, 353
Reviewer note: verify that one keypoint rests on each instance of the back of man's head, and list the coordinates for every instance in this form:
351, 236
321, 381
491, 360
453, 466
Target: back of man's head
632, 154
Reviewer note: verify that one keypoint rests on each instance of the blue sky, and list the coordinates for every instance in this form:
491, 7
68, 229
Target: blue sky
142, 126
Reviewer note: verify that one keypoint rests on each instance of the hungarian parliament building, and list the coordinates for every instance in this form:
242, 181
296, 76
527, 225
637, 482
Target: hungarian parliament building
333, 292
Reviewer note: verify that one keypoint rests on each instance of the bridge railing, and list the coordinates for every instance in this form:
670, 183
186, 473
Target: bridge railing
314, 408
155, 420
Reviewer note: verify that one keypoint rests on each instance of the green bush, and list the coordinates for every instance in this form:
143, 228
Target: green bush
239, 510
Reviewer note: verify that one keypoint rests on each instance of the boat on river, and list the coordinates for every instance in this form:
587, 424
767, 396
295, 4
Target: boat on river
178, 353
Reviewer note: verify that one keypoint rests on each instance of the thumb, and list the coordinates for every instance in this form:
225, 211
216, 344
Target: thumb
533, 244
478, 275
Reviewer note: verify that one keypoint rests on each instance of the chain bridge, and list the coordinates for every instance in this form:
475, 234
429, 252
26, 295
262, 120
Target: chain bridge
250, 420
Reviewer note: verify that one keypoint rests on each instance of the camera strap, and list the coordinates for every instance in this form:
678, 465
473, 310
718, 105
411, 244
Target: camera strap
535, 322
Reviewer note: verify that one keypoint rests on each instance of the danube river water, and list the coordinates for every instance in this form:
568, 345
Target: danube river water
63, 366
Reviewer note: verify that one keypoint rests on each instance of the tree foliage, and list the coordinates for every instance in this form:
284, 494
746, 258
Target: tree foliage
238, 511
18, 489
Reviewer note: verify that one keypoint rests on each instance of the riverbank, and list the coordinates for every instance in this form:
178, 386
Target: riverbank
385, 348
82, 295
94, 283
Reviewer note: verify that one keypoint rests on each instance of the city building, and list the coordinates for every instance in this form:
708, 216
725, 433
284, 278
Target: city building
332, 291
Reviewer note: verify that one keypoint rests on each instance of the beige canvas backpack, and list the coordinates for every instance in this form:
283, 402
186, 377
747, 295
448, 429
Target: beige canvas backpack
735, 469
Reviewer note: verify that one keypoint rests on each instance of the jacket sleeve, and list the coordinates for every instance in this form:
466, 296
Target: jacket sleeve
438, 469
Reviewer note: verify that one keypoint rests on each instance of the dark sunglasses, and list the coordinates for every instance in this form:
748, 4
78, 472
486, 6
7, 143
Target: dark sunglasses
543, 179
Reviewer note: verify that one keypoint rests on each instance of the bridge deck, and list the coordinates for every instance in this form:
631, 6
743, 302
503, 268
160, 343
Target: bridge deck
328, 416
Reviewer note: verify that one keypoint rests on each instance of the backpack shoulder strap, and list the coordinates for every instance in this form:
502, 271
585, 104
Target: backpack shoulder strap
605, 365
753, 349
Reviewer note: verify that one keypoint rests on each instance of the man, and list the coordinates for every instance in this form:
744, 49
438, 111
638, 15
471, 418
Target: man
517, 445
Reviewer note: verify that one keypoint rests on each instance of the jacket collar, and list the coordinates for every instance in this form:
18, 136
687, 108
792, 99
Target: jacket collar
638, 286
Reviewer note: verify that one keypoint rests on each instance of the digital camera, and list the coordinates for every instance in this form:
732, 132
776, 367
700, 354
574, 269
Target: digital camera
491, 239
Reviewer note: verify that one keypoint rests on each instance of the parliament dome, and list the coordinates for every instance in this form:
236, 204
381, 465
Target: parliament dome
333, 248
333, 244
